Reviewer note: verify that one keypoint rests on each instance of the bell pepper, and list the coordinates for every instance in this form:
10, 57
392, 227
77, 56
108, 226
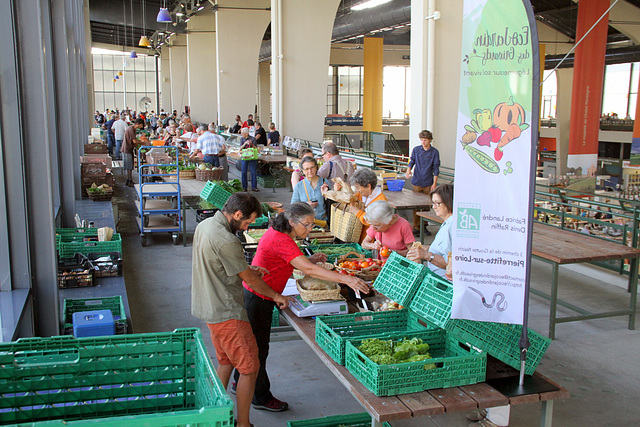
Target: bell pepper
483, 118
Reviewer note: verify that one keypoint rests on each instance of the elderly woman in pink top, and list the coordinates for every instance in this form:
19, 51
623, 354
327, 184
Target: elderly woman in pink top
387, 229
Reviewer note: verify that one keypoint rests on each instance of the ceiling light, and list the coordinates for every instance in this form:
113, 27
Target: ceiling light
179, 13
133, 54
200, 8
369, 4
144, 42
164, 16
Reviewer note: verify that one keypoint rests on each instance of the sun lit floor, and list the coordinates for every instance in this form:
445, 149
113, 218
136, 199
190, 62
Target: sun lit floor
596, 360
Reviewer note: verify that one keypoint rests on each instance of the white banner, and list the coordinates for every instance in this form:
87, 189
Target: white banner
493, 161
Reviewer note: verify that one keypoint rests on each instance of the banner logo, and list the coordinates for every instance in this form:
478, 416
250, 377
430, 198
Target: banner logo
469, 215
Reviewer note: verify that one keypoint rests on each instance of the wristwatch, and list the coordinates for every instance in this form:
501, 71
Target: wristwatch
431, 258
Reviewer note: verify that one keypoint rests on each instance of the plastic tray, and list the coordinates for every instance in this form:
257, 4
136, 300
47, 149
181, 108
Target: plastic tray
432, 302
352, 420
215, 194
159, 379
332, 332
331, 258
114, 304
262, 222
395, 184
456, 365
75, 277
70, 245
399, 279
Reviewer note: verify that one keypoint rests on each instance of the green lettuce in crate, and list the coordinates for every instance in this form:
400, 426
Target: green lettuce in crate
388, 352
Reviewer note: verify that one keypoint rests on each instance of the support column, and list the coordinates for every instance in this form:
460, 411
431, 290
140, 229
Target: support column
264, 93
372, 97
305, 32
179, 73
240, 29
564, 78
418, 103
588, 81
165, 79
201, 57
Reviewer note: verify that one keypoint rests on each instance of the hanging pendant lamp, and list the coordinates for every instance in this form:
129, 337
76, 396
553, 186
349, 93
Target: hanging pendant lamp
164, 16
144, 42
114, 80
119, 73
133, 54
116, 77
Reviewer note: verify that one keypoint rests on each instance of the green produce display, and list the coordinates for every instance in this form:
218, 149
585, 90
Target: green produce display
233, 186
267, 209
388, 352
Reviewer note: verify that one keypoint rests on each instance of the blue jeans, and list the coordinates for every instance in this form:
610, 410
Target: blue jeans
212, 160
118, 146
111, 141
252, 166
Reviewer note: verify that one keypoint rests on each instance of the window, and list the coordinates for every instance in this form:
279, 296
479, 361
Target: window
138, 80
549, 94
395, 92
616, 89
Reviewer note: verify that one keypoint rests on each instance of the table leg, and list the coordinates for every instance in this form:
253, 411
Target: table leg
375, 423
554, 300
633, 288
546, 415
422, 230
184, 224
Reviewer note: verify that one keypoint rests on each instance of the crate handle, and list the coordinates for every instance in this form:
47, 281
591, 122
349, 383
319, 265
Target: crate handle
404, 263
363, 318
442, 286
94, 302
27, 359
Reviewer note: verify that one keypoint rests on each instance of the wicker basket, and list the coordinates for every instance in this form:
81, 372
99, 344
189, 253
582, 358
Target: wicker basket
368, 274
308, 295
208, 175
97, 197
188, 174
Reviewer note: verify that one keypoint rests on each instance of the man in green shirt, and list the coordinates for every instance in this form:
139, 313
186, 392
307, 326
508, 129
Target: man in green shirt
218, 270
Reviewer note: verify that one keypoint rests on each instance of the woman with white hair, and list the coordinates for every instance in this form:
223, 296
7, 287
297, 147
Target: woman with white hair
387, 229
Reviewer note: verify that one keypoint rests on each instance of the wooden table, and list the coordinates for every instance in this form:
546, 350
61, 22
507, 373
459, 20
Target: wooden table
432, 402
557, 246
407, 199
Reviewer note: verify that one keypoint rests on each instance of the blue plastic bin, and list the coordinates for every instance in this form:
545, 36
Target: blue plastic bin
395, 184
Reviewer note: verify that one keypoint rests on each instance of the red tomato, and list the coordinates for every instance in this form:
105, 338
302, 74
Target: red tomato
385, 252
369, 260
365, 264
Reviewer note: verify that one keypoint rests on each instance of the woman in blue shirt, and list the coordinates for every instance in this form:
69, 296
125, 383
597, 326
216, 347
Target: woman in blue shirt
311, 189
438, 252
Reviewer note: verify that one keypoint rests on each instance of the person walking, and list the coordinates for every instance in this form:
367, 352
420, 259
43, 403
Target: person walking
218, 271
425, 162
249, 165
119, 127
111, 138
128, 149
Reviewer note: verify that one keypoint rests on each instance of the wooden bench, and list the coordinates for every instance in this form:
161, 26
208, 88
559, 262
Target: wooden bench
432, 402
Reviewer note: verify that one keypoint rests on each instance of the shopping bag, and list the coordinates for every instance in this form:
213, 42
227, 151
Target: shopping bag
249, 153
345, 225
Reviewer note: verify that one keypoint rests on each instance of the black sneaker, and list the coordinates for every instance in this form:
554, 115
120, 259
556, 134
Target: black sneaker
274, 405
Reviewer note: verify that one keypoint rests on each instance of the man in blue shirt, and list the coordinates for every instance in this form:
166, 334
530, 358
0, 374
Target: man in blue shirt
111, 138
425, 162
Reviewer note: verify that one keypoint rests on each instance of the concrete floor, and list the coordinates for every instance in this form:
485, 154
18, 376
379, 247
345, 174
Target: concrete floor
596, 360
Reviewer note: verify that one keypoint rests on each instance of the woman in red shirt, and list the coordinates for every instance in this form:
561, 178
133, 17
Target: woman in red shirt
279, 254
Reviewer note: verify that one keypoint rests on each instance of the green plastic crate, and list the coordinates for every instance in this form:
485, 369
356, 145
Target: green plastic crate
159, 379
214, 194
352, 420
456, 365
432, 302
71, 231
262, 222
275, 317
114, 304
69, 245
332, 332
399, 279
337, 250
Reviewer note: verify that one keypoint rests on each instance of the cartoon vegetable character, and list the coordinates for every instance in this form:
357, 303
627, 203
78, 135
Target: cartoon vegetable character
483, 119
513, 131
482, 159
507, 113
469, 137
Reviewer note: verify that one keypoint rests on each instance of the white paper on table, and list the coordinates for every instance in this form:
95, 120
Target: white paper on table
290, 288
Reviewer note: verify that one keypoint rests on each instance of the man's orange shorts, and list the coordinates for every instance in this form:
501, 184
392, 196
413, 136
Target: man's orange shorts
235, 345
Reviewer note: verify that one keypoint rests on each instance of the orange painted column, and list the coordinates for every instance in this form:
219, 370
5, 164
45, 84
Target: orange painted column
586, 102
372, 95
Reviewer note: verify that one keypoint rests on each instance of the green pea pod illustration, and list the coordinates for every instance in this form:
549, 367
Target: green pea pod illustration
482, 159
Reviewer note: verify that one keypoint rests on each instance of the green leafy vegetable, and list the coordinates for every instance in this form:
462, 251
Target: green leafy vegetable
389, 352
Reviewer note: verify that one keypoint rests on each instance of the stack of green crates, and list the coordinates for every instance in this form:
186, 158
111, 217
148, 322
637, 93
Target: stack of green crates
432, 302
352, 420
214, 194
70, 241
162, 378
114, 304
399, 278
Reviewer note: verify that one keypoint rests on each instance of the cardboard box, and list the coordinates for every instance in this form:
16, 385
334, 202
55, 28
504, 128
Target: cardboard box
93, 170
95, 149
97, 158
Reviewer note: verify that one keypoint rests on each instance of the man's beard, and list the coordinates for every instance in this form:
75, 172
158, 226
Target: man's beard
235, 225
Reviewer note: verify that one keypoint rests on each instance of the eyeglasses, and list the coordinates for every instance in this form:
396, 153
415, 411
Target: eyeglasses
306, 225
436, 204
309, 169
